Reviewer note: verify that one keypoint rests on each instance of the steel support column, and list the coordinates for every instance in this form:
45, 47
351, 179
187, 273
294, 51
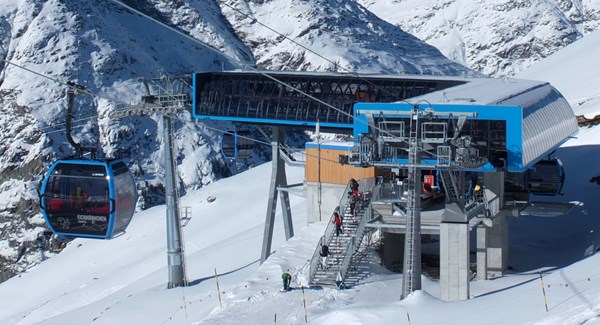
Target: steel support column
411, 272
278, 178
174, 242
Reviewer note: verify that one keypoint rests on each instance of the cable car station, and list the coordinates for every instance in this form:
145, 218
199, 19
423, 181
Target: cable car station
481, 148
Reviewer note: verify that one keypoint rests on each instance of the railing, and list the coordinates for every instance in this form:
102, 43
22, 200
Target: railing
493, 205
328, 233
355, 242
366, 183
479, 204
293, 156
390, 191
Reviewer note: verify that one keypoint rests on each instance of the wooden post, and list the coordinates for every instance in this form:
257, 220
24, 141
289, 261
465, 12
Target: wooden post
304, 301
218, 290
544, 291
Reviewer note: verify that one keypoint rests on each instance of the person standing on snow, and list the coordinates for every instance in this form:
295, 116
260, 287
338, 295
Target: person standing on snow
287, 279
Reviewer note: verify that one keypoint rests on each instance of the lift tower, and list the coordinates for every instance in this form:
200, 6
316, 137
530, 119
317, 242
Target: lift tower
172, 99
411, 279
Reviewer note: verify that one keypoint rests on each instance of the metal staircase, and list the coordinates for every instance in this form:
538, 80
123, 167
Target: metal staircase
450, 186
343, 247
476, 204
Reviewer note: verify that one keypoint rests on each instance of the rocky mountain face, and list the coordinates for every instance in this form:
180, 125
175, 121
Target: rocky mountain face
106, 48
322, 35
497, 38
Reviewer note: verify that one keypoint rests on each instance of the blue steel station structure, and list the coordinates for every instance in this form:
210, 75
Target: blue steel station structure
482, 145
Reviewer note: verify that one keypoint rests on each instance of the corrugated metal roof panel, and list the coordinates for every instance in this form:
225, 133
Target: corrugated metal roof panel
548, 121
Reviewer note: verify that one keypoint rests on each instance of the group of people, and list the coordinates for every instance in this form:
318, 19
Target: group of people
353, 198
338, 220
324, 253
79, 200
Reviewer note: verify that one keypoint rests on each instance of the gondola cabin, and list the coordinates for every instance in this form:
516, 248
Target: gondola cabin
546, 177
237, 144
88, 198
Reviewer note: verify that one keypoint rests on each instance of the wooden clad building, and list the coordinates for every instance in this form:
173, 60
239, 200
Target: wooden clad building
332, 172
333, 177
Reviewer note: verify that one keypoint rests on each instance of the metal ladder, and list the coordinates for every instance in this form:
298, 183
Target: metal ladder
412, 247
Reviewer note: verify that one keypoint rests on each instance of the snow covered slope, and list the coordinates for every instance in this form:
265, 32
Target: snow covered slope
104, 48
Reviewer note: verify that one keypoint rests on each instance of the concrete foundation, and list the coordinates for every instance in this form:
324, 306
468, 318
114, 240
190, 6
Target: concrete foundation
454, 261
497, 247
482, 265
492, 241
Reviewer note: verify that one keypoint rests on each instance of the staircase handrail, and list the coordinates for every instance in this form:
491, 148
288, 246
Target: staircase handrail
291, 151
389, 191
355, 242
289, 160
287, 153
314, 261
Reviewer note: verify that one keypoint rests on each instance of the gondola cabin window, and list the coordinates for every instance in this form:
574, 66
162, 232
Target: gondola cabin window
77, 199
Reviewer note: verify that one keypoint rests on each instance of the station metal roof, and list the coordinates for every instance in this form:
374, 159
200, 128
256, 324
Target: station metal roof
538, 118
